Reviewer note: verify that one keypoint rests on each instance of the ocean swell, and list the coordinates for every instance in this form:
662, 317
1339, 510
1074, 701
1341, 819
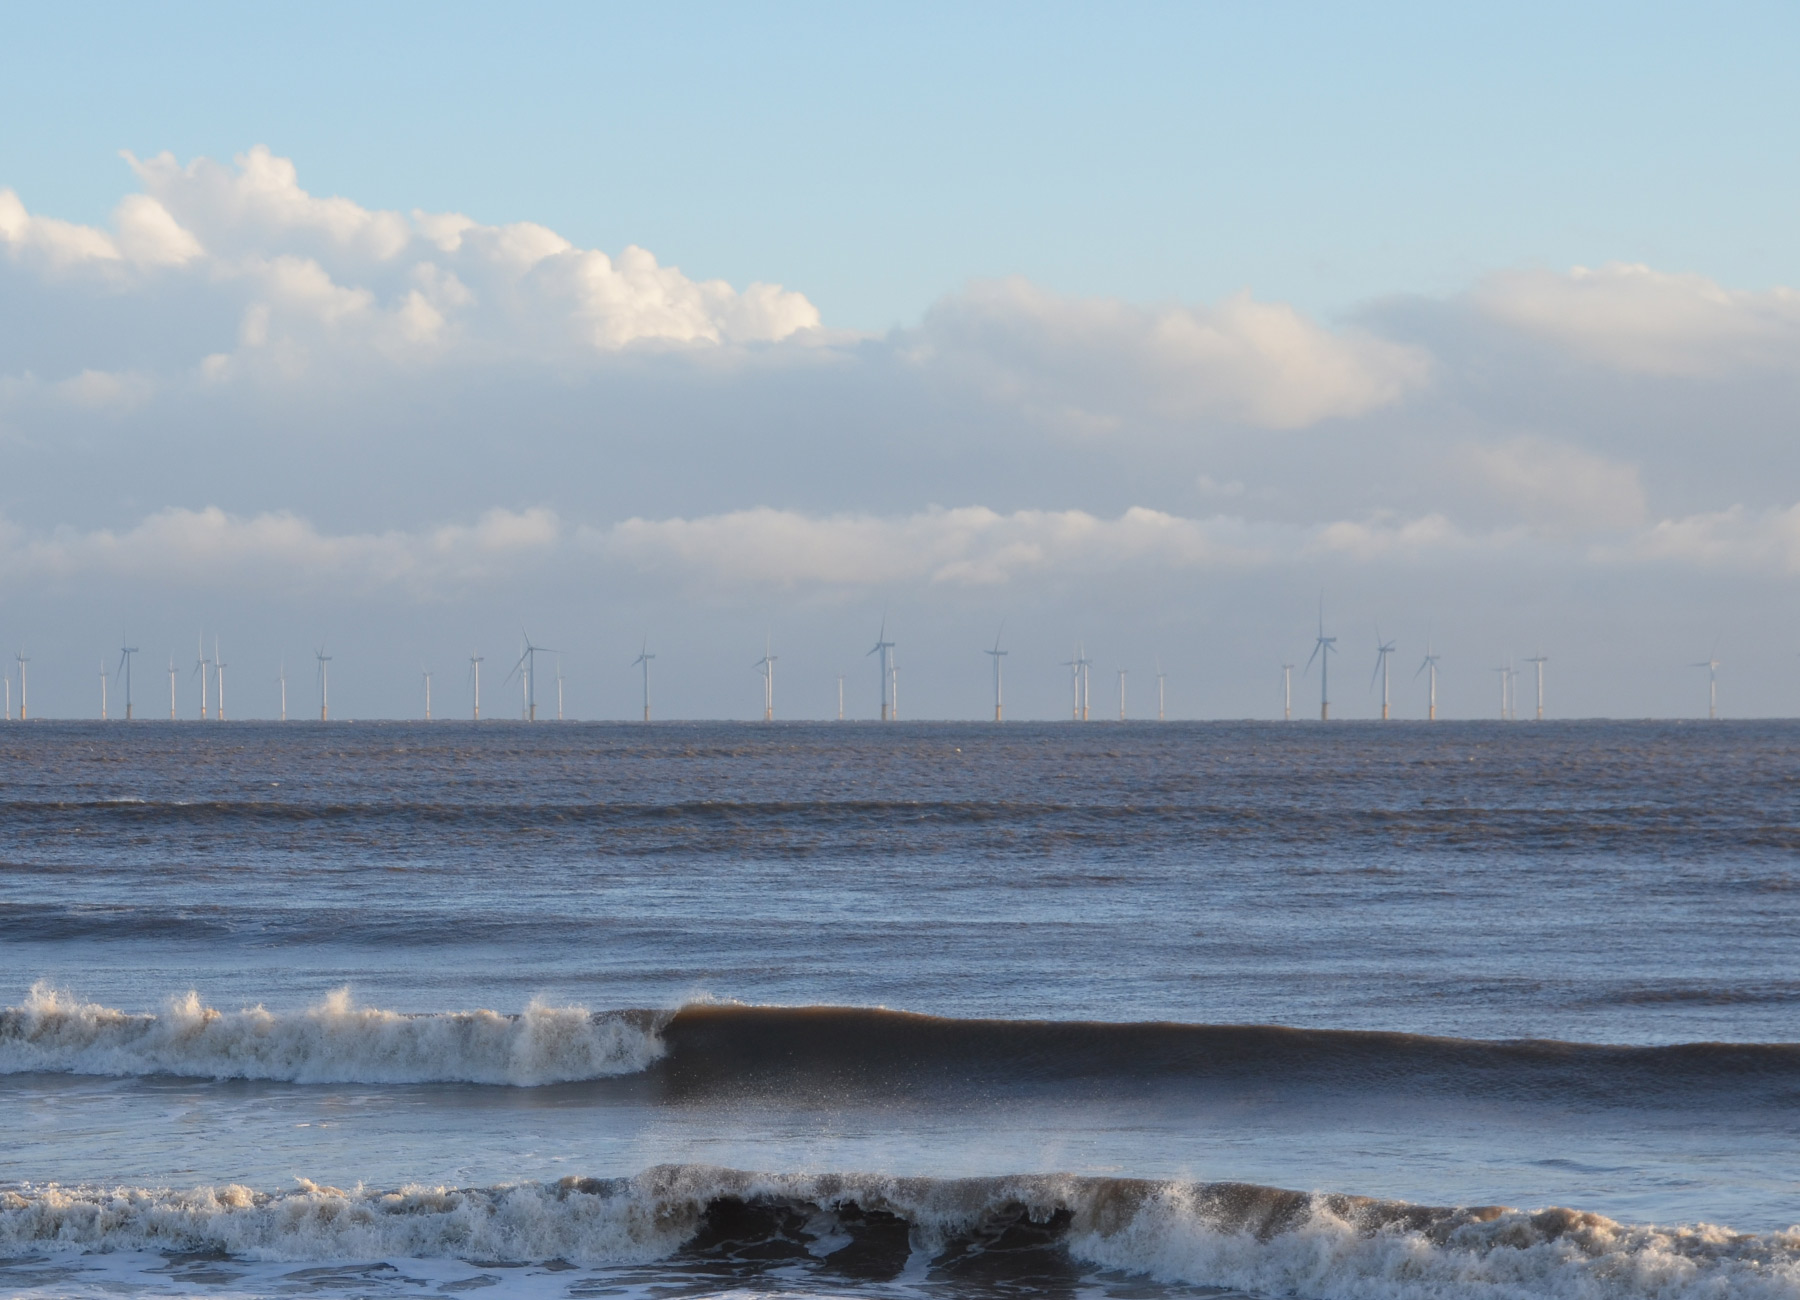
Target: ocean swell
871, 1228
333, 1042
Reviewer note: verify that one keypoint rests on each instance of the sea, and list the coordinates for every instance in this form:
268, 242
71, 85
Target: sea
1136, 1010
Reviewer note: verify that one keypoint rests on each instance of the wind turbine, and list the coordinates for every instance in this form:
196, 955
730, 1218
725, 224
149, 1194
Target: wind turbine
219, 668
1159, 691
125, 653
324, 661
1287, 692
103, 676
1710, 663
840, 716
559, 682
644, 658
1539, 660
475, 662
281, 677
1429, 666
998, 654
1505, 672
1323, 648
890, 688
766, 666
22, 662
203, 669
426, 674
1078, 670
526, 668
1382, 650
171, 688
1121, 695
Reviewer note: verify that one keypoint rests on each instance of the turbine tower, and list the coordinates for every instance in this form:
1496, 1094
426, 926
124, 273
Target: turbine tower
475, 662
1287, 692
22, 662
766, 666
426, 674
1121, 695
890, 686
125, 653
1323, 648
219, 669
171, 688
644, 658
1159, 691
1429, 666
103, 676
526, 668
281, 677
1539, 660
998, 654
1710, 663
1382, 650
203, 669
840, 716
324, 661
559, 682
1078, 677
1506, 709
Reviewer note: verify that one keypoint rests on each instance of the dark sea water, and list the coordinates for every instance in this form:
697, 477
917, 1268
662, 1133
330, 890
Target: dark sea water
1365, 1010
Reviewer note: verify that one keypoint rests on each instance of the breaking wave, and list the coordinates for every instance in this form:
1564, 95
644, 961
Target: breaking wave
333, 1042
1001, 1231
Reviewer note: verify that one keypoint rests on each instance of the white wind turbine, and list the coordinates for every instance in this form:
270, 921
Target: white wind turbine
475, 662
998, 654
643, 659
22, 662
104, 674
171, 688
426, 674
219, 671
1287, 692
766, 666
559, 689
1710, 663
890, 684
1323, 648
1121, 695
526, 670
1429, 667
1382, 650
324, 663
203, 670
281, 678
1159, 691
840, 680
1539, 660
125, 653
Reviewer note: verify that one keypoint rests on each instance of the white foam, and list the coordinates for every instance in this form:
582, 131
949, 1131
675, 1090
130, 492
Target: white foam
333, 1042
1331, 1248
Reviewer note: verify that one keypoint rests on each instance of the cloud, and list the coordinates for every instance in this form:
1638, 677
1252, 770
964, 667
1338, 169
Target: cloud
1636, 319
1734, 538
1558, 485
1096, 359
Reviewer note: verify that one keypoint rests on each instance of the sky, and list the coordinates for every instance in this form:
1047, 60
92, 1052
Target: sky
1154, 333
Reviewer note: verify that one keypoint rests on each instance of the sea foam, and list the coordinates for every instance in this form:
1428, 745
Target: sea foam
333, 1042
1263, 1240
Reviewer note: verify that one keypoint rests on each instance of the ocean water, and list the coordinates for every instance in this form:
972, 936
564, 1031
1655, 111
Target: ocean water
1138, 1010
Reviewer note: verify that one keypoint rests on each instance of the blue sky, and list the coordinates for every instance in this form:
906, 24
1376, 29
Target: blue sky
403, 327
882, 155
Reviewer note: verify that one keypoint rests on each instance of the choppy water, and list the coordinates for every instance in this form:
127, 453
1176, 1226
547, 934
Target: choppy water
528, 996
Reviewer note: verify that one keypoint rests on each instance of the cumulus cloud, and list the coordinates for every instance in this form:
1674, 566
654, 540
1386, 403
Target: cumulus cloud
1637, 319
1249, 362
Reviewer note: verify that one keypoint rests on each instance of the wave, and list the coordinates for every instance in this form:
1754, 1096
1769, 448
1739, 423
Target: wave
718, 1048
873, 1228
333, 1042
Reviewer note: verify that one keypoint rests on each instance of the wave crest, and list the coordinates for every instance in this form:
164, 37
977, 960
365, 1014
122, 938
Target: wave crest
333, 1042
872, 1227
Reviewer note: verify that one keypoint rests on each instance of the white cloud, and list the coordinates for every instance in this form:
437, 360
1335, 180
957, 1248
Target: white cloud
1734, 538
1558, 485
1244, 361
1651, 322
